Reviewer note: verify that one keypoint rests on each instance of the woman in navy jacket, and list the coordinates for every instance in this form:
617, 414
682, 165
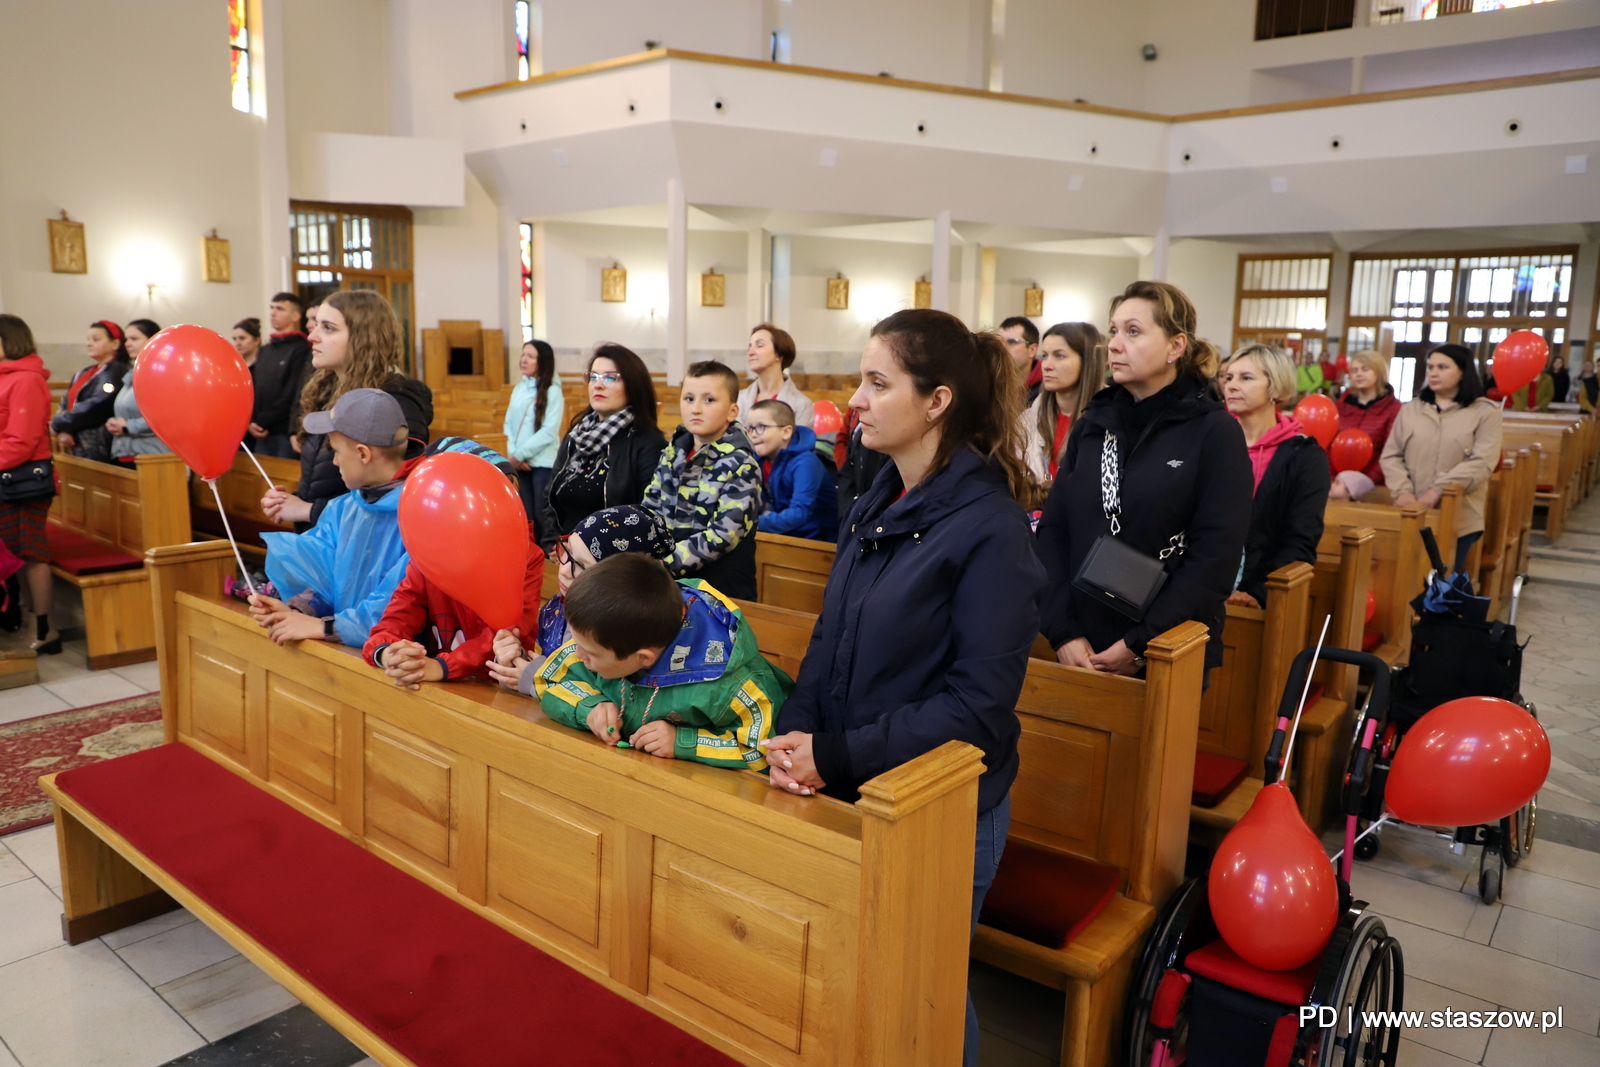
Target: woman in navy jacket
933, 601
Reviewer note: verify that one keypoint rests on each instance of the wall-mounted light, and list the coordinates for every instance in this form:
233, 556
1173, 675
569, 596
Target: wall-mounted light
146, 266
922, 293
713, 289
613, 284
839, 293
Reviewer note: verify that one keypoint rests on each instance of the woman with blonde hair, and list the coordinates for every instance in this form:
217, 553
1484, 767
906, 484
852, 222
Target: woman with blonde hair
1072, 367
355, 345
1368, 405
1289, 469
1156, 464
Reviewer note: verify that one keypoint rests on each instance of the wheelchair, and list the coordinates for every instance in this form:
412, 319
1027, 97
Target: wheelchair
1452, 656
1194, 1001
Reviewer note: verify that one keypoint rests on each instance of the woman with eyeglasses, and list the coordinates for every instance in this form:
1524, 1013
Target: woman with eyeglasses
612, 446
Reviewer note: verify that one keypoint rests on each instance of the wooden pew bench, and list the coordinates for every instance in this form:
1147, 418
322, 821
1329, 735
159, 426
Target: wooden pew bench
241, 489
1586, 432
776, 929
101, 522
792, 572
1556, 483
1099, 825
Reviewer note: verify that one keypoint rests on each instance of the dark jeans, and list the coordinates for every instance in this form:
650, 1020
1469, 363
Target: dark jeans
1464, 545
991, 842
533, 485
274, 444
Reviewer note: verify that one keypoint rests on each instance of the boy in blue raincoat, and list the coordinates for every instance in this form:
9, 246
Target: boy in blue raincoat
339, 575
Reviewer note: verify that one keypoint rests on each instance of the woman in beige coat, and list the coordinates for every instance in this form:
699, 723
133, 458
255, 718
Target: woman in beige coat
1449, 435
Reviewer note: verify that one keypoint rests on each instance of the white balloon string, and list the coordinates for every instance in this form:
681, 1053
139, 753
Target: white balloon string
259, 467
1288, 749
212, 482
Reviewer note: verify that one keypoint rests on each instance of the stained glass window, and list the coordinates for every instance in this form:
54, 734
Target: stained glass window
525, 232
528, 16
239, 45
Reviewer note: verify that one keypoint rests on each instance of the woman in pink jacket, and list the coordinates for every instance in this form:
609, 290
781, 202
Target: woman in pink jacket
24, 454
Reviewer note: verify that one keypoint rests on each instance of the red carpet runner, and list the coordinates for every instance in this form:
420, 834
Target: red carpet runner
437, 982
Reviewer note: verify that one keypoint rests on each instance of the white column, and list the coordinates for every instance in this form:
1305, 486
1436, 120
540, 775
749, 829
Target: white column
677, 281
782, 265
1358, 75
941, 262
1158, 255
971, 280
758, 277
276, 273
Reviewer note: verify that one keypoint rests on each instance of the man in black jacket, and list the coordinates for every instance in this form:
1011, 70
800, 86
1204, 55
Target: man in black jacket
278, 373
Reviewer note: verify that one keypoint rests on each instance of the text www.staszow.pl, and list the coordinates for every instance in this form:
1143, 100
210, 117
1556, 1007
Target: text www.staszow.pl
1446, 1019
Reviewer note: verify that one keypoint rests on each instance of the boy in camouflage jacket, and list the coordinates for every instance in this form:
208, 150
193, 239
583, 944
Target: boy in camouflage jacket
707, 487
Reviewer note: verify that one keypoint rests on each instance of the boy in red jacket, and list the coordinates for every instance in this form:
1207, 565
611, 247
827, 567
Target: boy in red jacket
425, 635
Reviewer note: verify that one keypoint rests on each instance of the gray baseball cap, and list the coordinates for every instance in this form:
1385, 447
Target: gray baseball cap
368, 416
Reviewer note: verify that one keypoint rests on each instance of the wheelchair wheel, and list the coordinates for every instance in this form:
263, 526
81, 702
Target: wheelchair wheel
1516, 832
1166, 942
1371, 979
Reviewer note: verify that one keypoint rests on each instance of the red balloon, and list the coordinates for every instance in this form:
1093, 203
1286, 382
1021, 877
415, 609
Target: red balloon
1518, 360
826, 417
1372, 605
1469, 761
1272, 889
197, 395
1351, 450
465, 527
1320, 418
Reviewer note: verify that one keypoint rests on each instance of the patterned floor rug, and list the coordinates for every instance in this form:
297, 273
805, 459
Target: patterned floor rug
66, 739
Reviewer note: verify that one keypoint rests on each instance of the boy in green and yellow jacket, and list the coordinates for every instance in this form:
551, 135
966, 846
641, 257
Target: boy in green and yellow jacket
668, 667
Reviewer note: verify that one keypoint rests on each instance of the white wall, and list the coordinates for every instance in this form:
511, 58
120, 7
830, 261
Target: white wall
941, 41
148, 154
1076, 288
1076, 50
586, 31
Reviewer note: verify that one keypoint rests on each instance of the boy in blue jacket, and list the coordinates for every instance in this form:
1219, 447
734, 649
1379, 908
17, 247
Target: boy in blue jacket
802, 499
340, 574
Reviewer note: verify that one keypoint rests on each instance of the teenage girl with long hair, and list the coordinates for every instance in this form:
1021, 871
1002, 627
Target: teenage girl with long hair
1072, 368
356, 345
533, 429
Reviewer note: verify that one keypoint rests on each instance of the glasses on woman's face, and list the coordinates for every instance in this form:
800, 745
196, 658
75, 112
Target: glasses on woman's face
604, 379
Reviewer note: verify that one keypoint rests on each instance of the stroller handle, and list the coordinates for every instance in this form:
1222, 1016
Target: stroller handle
1431, 543
1366, 661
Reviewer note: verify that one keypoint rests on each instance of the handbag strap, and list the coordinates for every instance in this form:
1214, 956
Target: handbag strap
1111, 496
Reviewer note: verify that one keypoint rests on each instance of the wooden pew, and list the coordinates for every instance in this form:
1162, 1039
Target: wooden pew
241, 489
1106, 769
1495, 553
1586, 434
783, 930
1556, 486
791, 572
108, 511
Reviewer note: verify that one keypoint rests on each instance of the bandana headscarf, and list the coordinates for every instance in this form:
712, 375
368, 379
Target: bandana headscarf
625, 528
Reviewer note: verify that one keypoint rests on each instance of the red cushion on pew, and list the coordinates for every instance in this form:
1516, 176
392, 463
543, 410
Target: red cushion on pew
81, 554
1215, 777
1221, 964
440, 984
1543, 488
1371, 639
1045, 896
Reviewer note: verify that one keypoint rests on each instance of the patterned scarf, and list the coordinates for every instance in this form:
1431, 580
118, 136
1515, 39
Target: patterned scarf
587, 443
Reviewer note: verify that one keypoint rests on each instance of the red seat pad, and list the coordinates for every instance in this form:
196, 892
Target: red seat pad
1545, 488
440, 984
1215, 777
80, 554
1220, 963
1045, 896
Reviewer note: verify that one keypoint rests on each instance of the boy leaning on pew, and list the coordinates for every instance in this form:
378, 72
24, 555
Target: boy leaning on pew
339, 575
707, 486
425, 634
667, 667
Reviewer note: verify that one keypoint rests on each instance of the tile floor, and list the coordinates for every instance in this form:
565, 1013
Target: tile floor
168, 991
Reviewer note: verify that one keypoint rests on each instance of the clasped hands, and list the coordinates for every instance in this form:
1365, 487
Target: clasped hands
1118, 659
1430, 499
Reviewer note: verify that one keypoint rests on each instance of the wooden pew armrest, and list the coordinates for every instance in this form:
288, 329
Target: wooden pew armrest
1322, 716
1115, 932
1233, 806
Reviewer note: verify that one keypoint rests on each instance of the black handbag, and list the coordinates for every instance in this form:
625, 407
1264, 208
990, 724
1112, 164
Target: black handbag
1115, 573
33, 480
